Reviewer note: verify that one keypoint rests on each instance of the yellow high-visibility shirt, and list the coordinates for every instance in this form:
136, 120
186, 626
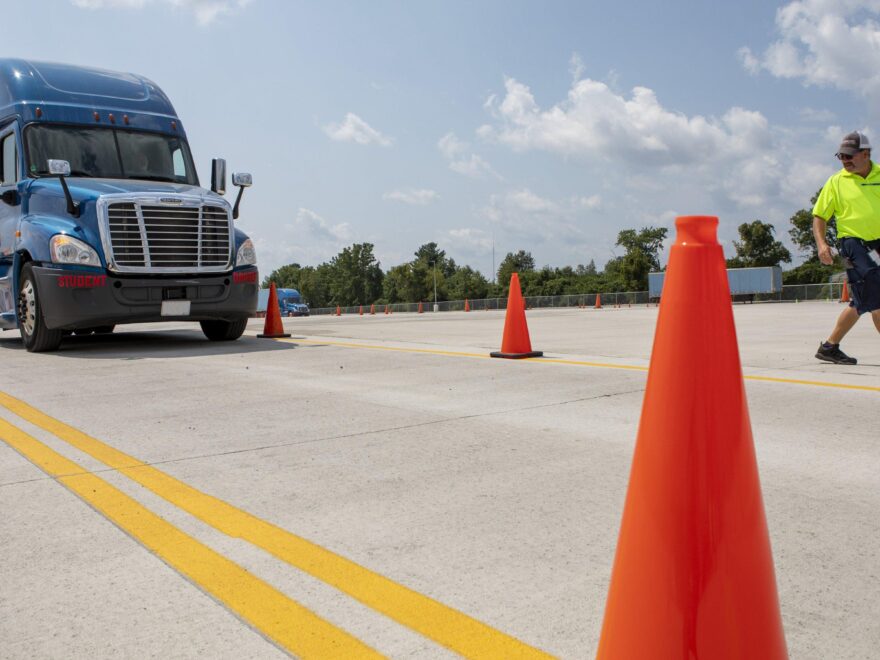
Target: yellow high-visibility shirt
854, 201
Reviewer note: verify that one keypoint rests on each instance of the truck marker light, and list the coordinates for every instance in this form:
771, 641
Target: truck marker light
174, 125
38, 113
82, 281
125, 119
96, 116
242, 278
111, 118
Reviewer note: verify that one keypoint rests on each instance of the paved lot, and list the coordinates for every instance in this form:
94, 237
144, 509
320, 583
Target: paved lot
421, 480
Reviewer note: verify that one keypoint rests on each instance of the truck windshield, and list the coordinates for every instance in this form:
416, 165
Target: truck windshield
110, 153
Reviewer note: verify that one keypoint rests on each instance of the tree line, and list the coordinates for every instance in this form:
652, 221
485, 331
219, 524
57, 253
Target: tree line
355, 277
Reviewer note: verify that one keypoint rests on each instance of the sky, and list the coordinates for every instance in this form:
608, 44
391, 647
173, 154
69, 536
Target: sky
491, 125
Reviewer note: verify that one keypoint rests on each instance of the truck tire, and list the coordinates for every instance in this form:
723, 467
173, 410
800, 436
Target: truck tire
224, 330
35, 336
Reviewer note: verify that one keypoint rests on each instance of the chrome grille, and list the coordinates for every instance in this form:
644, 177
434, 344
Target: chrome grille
145, 236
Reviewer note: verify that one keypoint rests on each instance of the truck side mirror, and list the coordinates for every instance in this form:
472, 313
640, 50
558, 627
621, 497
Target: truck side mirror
242, 180
218, 176
61, 169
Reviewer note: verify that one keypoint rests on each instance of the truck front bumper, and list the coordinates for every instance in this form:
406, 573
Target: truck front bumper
73, 299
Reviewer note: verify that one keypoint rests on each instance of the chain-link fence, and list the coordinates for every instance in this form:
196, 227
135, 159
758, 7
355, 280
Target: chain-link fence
789, 293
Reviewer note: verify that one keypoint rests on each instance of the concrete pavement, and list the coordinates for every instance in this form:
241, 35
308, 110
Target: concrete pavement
491, 487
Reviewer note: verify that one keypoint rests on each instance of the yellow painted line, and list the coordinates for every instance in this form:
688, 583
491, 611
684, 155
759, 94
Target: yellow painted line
441, 623
815, 383
288, 623
578, 363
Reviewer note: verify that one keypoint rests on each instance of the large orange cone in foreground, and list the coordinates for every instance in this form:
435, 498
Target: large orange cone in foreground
844, 293
273, 327
693, 575
516, 343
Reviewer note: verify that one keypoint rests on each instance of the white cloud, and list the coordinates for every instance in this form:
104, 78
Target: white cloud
318, 228
595, 121
355, 129
736, 162
469, 240
818, 116
456, 152
827, 43
535, 219
451, 147
592, 202
416, 197
205, 11
576, 66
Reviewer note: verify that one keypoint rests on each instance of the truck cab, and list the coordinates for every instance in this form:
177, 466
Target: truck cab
103, 220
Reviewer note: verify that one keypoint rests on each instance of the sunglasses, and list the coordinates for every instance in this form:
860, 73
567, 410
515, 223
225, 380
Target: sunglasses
844, 156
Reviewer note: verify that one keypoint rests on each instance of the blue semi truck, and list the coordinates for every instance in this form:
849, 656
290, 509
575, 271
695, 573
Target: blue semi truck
102, 218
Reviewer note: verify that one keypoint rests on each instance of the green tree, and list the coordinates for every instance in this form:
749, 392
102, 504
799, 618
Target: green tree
641, 257
356, 277
801, 231
285, 277
315, 285
812, 271
466, 282
521, 262
757, 247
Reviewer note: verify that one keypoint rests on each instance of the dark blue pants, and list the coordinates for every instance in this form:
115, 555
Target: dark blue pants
862, 272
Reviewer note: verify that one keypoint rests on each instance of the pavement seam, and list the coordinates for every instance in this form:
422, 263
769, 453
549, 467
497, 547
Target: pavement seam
280, 445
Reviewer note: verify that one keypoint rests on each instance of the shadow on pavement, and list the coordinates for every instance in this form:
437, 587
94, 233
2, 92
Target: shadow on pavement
139, 345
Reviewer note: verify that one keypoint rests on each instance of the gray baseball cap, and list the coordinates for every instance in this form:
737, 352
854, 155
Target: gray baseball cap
854, 142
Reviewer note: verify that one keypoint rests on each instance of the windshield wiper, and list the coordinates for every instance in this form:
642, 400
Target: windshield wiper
151, 177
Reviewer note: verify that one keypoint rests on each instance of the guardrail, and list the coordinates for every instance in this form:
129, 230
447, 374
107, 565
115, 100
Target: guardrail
789, 293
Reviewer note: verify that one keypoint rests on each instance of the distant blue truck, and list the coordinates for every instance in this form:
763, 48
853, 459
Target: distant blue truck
290, 302
102, 218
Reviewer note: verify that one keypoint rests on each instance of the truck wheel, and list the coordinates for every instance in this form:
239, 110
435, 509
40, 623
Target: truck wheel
34, 333
224, 330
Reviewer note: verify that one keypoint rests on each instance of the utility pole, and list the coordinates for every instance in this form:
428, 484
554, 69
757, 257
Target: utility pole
436, 307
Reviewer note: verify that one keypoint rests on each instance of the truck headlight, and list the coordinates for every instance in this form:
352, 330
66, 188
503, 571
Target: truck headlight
247, 255
68, 250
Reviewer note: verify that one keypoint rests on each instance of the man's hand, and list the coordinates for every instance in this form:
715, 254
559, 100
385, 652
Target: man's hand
819, 228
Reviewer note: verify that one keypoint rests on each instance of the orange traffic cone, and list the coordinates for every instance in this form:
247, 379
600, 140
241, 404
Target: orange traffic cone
515, 342
598, 304
338, 311
844, 294
467, 305
373, 308
361, 310
693, 575
273, 327
387, 309
421, 308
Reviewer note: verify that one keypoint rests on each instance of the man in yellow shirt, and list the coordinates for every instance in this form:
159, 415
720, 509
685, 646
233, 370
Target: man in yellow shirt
852, 196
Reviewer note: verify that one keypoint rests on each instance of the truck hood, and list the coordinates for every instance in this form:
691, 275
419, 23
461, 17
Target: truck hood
86, 189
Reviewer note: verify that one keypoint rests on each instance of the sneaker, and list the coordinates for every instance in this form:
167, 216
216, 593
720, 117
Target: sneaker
832, 353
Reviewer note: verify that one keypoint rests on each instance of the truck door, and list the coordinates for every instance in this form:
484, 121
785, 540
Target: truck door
10, 214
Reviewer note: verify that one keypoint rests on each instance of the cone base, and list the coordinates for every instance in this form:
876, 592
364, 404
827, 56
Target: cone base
272, 336
516, 356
